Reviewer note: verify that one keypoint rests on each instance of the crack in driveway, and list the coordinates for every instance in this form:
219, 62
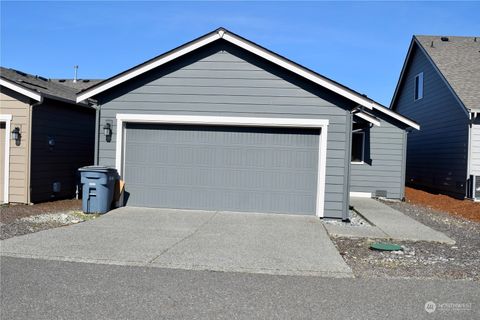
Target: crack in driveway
183, 239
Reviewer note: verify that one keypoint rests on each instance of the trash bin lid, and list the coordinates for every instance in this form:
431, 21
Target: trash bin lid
97, 169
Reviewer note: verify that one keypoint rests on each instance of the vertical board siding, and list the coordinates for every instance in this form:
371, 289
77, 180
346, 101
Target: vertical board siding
73, 129
227, 81
222, 168
475, 149
437, 154
383, 165
18, 106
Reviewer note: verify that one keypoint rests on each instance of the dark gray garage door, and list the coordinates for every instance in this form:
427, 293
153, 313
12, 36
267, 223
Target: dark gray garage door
222, 168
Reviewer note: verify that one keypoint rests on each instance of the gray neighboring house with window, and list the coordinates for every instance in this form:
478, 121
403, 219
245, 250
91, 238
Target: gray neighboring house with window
45, 136
439, 87
221, 123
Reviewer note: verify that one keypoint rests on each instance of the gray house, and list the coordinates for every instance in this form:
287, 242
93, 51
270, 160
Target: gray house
221, 123
439, 87
45, 136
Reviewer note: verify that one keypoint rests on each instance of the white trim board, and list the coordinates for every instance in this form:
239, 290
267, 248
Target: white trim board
354, 194
7, 118
242, 43
15, 87
253, 48
321, 124
368, 118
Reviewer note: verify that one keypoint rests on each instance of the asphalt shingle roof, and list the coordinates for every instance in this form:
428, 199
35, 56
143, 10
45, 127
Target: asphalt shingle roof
52, 88
80, 85
458, 59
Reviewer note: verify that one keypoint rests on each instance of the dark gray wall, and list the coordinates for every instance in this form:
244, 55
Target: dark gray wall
384, 161
73, 128
221, 79
437, 154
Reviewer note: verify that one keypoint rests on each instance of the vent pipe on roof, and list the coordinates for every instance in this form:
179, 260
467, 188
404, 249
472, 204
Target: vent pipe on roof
431, 44
76, 73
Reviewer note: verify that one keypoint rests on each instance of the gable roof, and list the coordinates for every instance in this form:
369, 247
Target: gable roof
35, 87
247, 45
457, 59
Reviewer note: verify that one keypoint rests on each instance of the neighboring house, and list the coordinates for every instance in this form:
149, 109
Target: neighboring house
54, 137
439, 87
221, 123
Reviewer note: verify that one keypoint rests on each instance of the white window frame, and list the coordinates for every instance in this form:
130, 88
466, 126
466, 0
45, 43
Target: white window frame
7, 118
321, 124
363, 147
418, 91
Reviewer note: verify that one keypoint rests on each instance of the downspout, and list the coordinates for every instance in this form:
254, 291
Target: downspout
29, 149
96, 106
97, 132
348, 156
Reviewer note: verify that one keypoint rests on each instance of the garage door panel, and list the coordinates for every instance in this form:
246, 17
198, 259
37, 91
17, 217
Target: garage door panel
222, 168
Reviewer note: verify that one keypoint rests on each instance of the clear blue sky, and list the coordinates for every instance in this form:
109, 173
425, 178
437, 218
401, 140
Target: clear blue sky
359, 44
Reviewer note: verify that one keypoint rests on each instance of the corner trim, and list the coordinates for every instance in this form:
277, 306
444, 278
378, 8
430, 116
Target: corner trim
7, 118
321, 124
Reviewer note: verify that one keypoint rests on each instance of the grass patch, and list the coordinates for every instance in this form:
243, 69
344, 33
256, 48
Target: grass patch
85, 216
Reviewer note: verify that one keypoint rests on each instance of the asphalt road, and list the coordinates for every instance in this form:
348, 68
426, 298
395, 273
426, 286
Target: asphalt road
41, 289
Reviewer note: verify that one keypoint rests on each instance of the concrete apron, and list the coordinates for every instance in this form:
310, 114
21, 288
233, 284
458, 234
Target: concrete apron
388, 223
192, 240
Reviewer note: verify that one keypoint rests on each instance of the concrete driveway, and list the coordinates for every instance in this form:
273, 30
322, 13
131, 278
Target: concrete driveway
192, 240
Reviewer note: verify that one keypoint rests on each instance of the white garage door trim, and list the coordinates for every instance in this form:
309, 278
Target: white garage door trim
7, 118
321, 124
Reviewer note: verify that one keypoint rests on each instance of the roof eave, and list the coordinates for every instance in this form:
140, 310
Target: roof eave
230, 37
21, 89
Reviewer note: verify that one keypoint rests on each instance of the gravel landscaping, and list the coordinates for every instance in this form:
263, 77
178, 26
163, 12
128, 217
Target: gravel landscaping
17, 220
420, 259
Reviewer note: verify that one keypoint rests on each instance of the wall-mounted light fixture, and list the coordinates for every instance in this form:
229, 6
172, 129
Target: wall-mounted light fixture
16, 135
107, 131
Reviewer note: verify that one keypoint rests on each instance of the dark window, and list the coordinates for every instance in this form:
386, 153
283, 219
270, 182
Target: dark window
418, 90
358, 145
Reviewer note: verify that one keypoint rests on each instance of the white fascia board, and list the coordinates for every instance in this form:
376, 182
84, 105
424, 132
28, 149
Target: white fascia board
225, 121
298, 70
28, 93
242, 44
193, 46
368, 118
398, 117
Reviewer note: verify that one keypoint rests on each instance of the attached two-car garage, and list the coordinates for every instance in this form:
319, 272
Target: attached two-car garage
264, 168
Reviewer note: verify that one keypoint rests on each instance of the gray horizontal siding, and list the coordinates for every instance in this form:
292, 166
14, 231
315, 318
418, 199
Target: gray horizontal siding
223, 80
437, 154
384, 163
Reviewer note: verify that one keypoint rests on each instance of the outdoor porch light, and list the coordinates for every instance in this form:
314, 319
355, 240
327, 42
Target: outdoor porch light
16, 135
107, 131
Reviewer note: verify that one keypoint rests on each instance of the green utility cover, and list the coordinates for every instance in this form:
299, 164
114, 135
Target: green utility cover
385, 246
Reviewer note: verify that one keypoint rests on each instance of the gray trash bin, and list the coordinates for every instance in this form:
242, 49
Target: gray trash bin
98, 184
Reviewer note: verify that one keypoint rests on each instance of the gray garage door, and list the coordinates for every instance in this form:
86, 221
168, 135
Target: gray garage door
222, 168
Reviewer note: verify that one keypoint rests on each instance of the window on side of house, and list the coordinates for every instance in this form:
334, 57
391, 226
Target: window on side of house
418, 89
358, 144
